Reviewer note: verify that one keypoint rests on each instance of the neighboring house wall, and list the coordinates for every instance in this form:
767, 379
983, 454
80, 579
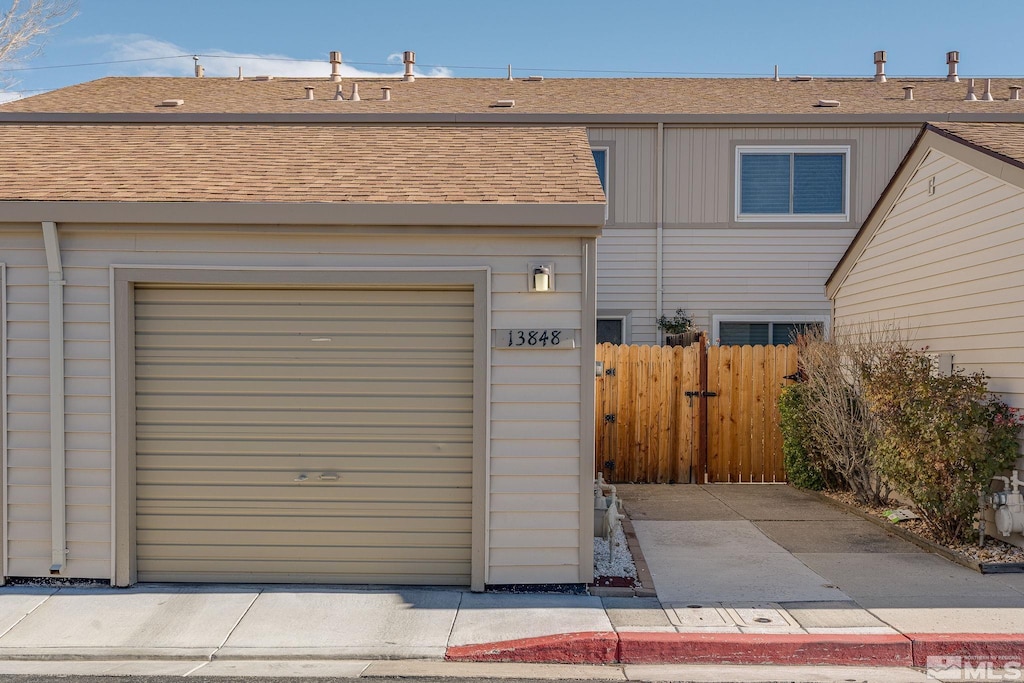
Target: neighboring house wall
712, 265
535, 470
948, 267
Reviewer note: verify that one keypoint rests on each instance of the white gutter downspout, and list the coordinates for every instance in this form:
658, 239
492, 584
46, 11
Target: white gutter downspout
660, 216
58, 527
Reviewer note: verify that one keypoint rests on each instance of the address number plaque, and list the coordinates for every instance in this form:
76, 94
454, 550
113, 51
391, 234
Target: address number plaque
536, 338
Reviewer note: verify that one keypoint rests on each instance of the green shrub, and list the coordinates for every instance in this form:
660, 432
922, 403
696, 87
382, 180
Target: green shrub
942, 438
801, 470
680, 323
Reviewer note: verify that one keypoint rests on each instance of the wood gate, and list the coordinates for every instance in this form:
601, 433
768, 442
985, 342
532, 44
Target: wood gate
691, 414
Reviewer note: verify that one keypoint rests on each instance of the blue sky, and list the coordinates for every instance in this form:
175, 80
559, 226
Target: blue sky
550, 37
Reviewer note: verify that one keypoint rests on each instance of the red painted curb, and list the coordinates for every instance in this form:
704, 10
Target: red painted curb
757, 648
595, 647
974, 647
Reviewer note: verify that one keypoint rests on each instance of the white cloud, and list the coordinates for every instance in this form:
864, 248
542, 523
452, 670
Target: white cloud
218, 62
9, 96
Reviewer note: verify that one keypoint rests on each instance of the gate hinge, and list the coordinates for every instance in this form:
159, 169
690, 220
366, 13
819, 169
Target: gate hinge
610, 417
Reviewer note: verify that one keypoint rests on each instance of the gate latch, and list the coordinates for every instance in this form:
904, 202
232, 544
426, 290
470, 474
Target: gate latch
609, 418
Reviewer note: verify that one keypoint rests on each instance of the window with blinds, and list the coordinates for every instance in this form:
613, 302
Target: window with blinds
792, 183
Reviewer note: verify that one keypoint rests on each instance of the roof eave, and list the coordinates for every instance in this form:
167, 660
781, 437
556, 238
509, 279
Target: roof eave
577, 218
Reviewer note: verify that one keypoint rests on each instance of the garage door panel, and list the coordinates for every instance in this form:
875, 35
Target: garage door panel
273, 331
234, 401
200, 296
285, 478
413, 400
369, 510
356, 430
425, 462
169, 519
270, 571
339, 346
413, 366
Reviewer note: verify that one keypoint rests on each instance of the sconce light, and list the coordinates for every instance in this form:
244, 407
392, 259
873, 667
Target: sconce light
542, 277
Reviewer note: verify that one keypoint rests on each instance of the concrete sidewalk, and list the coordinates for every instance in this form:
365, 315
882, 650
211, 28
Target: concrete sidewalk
744, 575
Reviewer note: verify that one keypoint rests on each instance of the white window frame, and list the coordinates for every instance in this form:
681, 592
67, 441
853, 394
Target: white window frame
607, 177
716, 321
843, 217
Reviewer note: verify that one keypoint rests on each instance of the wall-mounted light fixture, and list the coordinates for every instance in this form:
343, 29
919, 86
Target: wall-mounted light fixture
541, 277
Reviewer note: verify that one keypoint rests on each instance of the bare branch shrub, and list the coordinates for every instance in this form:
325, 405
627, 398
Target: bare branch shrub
841, 427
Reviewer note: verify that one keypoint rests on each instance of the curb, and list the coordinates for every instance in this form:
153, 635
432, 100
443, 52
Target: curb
750, 648
975, 647
594, 647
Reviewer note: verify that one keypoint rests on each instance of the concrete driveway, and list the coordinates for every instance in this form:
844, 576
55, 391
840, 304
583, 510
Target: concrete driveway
718, 548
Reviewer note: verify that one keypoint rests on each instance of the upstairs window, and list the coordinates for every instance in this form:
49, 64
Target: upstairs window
792, 183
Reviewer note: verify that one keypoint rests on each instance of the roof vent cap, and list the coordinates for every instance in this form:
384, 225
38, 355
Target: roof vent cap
385, 93
409, 59
335, 59
355, 93
880, 66
802, 79
171, 103
1014, 92
970, 97
262, 78
504, 104
534, 78
908, 92
828, 103
952, 59
309, 92
987, 95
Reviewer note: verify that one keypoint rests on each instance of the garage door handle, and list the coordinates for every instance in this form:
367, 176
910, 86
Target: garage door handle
329, 476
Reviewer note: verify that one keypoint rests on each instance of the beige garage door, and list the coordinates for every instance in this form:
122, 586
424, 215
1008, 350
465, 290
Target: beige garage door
304, 435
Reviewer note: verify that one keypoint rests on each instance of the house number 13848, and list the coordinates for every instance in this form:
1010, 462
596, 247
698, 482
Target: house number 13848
534, 338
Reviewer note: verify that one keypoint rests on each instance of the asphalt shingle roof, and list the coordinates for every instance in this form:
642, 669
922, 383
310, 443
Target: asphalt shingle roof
297, 163
1005, 139
551, 96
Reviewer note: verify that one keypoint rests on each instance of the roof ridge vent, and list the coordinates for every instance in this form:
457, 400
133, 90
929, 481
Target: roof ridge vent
262, 78
534, 78
171, 103
880, 66
802, 79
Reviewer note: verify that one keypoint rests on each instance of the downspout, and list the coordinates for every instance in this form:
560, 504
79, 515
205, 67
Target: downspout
58, 526
660, 217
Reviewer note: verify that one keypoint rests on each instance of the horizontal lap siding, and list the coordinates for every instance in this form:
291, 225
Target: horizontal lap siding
949, 268
711, 265
533, 437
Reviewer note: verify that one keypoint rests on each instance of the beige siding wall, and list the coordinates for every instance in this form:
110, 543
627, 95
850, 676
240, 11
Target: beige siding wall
949, 268
699, 163
712, 266
534, 467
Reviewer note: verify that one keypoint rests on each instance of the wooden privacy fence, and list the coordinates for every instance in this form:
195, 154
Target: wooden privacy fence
691, 414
